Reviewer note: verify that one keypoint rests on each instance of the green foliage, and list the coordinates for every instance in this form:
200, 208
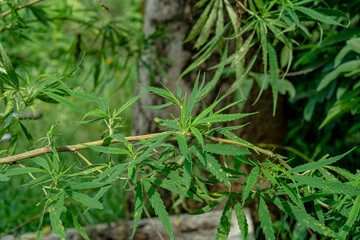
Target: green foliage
186, 158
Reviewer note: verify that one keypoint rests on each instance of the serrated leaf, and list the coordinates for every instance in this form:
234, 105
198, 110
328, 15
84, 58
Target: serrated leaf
265, 220
274, 74
174, 186
292, 194
331, 186
107, 150
241, 218
84, 96
206, 29
198, 136
318, 164
241, 75
303, 217
331, 76
224, 117
88, 185
223, 229
65, 102
138, 208
200, 22
187, 173
13, 78
4, 178
129, 103
56, 223
224, 149
319, 212
232, 15
344, 231
212, 165
317, 16
209, 206
354, 44
86, 200
20, 171
249, 183
159, 207
160, 106
79, 229
41, 162
220, 19
143, 156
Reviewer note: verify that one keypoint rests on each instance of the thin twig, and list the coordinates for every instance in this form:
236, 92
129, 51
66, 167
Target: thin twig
76, 147
36, 217
20, 7
104, 6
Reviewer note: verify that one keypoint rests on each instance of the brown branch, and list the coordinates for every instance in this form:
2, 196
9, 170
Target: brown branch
36, 217
21, 7
69, 148
76, 147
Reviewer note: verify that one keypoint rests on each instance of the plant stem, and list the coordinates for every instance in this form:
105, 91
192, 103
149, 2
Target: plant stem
20, 7
76, 147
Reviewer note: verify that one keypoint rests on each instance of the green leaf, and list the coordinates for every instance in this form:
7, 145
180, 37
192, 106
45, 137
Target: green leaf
224, 117
220, 19
224, 149
206, 29
212, 165
20, 171
86, 200
4, 178
160, 106
331, 76
143, 156
129, 103
339, 109
13, 78
138, 208
223, 229
159, 207
241, 75
232, 15
319, 212
198, 136
354, 44
200, 22
292, 194
41, 162
88, 185
107, 150
344, 231
331, 186
209, 206
56, 224
265, 220
65, 102
188, 162
241, 218
174, 185
274, 74
318, 164
303, 217
317, 16
79, 229
249, 183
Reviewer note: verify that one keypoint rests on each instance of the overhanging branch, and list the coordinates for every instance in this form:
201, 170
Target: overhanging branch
76, 147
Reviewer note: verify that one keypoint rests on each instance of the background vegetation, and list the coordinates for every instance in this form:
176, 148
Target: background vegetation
64, 50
